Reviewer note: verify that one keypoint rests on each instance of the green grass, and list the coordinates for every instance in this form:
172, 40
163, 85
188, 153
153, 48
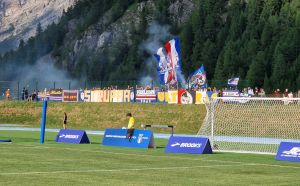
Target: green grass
98, 116
26, 162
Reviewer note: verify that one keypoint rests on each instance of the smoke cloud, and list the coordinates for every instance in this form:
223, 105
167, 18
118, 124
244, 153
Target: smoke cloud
157, 35
42, 74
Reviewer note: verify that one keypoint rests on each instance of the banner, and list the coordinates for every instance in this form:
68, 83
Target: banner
126, 96
145, 96
95, 95
105, 96
43, 96
288, 151
172, 97
116, 96
81, 95
200, 97
56, 95
185, 97
161, 97
72, 136
87, 95
188, 145
198, 78
117, 137
70, 95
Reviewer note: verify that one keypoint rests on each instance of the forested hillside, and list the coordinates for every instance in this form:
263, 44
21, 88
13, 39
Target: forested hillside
100, 40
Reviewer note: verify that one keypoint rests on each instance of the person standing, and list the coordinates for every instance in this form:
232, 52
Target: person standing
8, 94
23, 93
130, 127
65, 120
26, 94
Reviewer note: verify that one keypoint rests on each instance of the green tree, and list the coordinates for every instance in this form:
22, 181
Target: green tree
256, 73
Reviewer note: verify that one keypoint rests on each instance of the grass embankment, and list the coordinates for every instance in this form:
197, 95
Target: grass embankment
98, 116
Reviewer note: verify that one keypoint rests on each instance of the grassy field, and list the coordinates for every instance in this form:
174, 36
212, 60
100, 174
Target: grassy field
98, 116
26, 162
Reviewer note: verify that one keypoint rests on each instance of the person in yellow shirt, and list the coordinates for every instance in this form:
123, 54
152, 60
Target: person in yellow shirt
130, 127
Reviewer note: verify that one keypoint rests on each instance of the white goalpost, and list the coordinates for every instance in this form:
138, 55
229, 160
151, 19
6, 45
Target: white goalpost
253, 125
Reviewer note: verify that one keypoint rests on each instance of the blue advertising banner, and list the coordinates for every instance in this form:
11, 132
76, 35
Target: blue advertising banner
72, 136
118, 137
288, 151
188, 145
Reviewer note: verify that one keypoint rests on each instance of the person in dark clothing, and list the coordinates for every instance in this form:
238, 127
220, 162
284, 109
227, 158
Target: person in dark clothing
26, 94
33, 97
65, 120
23, 93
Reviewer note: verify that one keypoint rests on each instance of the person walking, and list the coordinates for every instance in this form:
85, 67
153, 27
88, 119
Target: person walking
130, 127
65, 120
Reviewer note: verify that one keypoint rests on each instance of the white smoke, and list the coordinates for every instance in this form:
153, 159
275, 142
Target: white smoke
157, 35
42, 74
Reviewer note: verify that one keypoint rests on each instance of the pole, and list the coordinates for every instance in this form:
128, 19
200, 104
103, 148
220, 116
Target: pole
43, 124
18, 90
152, 85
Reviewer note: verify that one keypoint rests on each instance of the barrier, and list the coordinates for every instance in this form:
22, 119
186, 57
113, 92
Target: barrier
288, 151
117, 137
180, 96
188, 145
72, 136
145, 126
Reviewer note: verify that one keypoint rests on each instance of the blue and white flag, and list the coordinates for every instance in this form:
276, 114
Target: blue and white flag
169, 64
233, 81
198, 78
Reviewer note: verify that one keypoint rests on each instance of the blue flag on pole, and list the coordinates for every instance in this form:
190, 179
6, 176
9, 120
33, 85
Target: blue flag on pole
198, 78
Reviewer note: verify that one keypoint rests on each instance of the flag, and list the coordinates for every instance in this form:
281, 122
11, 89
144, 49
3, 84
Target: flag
198, 78
163, 63
169, 64
233, 81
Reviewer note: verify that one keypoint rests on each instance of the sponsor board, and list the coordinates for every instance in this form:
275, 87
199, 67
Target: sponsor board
72, 136
118, 137
188, 145
288, 151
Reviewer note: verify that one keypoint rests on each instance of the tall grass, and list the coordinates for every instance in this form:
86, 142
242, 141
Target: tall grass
98, 116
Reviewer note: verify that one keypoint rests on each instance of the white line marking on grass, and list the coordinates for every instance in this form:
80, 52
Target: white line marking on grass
117, 170
155, 156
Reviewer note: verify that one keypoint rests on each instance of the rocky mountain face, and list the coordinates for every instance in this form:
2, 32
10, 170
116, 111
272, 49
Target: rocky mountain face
19, 18
100, 37
93, 41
